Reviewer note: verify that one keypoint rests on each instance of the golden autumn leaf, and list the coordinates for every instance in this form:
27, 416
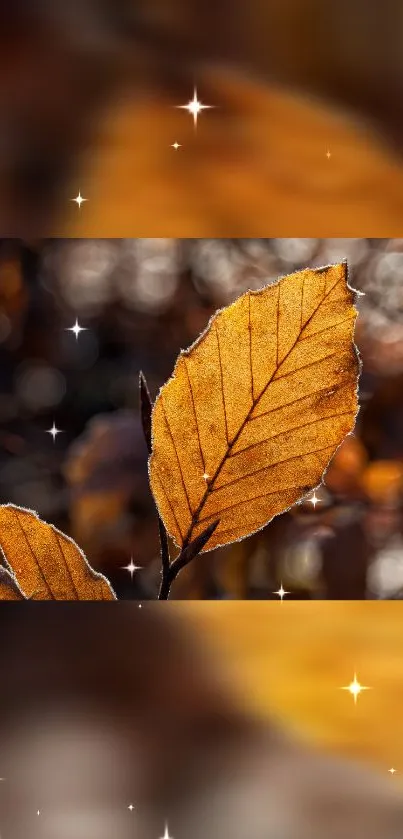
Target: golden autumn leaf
256, 408
46, 564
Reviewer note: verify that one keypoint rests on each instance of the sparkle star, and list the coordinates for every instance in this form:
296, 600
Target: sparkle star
38, 812
314, 500
54, 431
79, 200
176, 146
76, 329
131, 807
131, 567
194, 107
328, 154
281, 592
166, 833
355, 688
206, 476
392, 771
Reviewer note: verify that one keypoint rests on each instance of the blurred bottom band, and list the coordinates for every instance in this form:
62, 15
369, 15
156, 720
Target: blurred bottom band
242, 719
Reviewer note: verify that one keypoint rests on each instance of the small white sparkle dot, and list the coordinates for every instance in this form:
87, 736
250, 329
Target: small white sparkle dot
76, 329
355, 688
54, 431
206, 476
131, 807
392, 771
194, 107
79, 200
131, 567
315, 500
328, 154
281, 592
176, 146
38, 812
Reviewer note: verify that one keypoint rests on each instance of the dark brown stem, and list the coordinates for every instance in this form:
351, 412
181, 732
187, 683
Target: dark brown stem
146, 408
170, 570
165, 559
186, 555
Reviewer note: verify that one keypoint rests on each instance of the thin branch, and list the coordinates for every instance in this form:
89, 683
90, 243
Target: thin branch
187, 554
146, 408
170, 570
194, 548
165, 558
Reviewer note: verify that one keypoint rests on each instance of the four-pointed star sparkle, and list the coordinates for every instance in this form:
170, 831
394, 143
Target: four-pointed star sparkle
314, 500
131, 568
281, 592
176, 146
76, 329
79, 200
355, 688
54, 431
195, 107
166, 833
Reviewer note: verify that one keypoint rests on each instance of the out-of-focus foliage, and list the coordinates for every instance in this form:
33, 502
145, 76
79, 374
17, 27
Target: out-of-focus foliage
92, 482
302, 657
87, 98
113, 701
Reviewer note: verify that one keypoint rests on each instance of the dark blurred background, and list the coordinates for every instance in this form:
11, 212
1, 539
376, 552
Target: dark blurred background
62, 65
139, 301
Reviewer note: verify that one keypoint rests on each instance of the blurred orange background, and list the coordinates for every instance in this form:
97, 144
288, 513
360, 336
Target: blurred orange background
88, 102
291, 659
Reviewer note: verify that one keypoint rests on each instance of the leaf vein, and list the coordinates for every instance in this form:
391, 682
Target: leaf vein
169, 504
325, 329
222, 384
304, 367
195, 414
248, 501
33, 554
295, 401
289, 430
177, 458
278, 324
250, 352
270, 466
60, 546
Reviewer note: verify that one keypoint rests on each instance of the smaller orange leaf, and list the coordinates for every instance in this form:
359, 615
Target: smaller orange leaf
46, 564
